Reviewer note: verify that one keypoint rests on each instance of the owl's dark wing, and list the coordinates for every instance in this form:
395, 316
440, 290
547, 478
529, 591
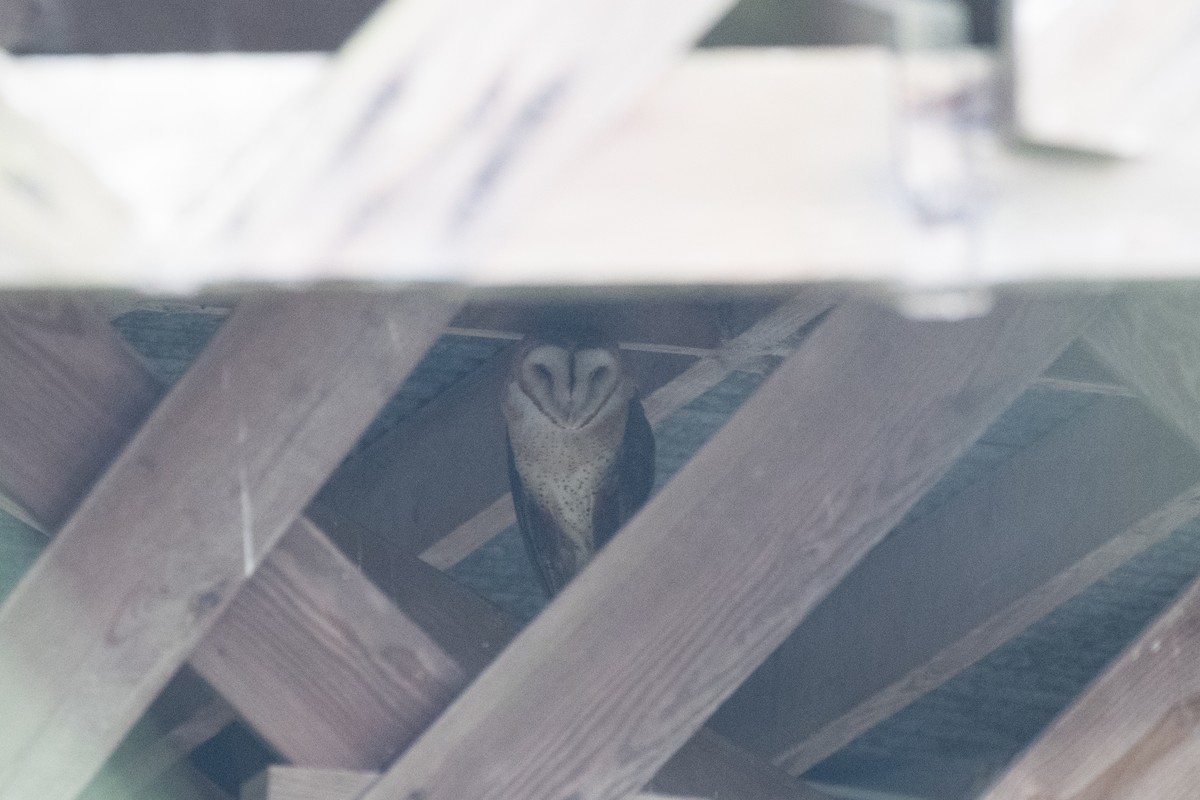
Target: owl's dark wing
629, 480
543, 541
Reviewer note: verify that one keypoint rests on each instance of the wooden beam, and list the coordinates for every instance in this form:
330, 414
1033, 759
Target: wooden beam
299, 783
284, 665
170, 533
767, 335
948, 587
321, 663
1114, 78
287, 675
296, 783
54, 449
1132, 733
788, 200
78, 380
825, 459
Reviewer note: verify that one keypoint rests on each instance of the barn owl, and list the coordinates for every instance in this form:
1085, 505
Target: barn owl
580, 451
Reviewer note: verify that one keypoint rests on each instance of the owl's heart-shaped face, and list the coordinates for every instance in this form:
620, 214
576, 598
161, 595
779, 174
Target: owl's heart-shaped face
570, 385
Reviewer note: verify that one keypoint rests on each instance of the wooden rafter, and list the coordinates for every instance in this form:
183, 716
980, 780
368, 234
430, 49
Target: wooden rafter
293, 783
53, 450
948, 587
1132, 733
280, 651
165, 539
623, 667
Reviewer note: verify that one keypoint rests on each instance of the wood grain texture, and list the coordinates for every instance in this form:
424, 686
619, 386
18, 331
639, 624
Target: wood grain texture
303, 783
832, 451
144, 566
473, 633
297, 783
766, 336
54, 449
245, 666
1133, 733
321, 663
304, 608
948, 587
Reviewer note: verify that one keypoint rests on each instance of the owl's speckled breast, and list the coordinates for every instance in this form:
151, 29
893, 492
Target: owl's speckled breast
563, 468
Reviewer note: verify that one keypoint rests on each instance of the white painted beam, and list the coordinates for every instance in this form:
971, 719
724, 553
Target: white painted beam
1118, 77
741, 167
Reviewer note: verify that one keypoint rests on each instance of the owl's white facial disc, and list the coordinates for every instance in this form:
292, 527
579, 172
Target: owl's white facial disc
570, 387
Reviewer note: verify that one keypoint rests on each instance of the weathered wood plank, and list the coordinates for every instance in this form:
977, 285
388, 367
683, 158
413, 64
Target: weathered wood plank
296, 783
290, 707
625, 665
241, 656
96, 388
170, 532
765, 336
948, 587
321, 663
1132, 733
92, 394
302, 783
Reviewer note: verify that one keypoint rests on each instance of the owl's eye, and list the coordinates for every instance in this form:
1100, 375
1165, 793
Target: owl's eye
599, 375
542, 373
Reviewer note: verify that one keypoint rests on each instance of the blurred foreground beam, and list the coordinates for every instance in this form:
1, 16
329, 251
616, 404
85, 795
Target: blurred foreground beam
1116, 78
55, 214
624, 666
739, 167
